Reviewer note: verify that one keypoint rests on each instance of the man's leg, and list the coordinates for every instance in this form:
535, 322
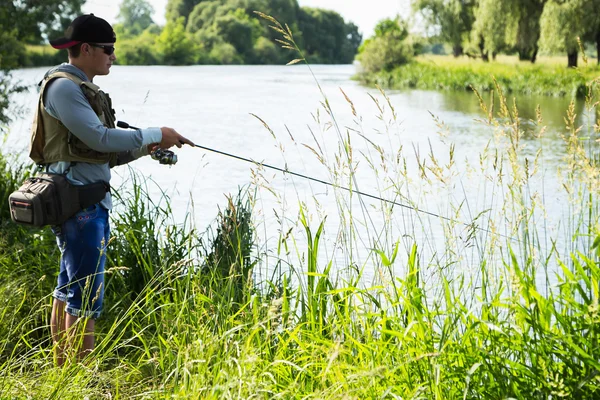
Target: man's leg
80, 338
58, 329
86, 237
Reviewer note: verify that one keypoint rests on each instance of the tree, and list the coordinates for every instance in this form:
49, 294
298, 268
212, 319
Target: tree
592, 22
561, 24
528, 14
326, 37
174, 44
452, 20
388, 49
27, 21
180, 8
238, 29
135, 15
33, 20
490, 33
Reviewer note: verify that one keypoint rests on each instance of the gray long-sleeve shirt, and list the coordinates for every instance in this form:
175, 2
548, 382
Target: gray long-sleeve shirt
65, 101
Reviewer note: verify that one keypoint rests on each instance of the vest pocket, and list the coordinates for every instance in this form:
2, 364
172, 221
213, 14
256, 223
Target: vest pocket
79, 149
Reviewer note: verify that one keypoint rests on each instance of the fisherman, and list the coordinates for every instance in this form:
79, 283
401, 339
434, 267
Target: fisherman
74, 134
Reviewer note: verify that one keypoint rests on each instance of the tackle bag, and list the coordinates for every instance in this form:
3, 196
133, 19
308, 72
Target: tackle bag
50, 199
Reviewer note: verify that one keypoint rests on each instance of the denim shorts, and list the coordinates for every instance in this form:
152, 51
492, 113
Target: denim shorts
82, 240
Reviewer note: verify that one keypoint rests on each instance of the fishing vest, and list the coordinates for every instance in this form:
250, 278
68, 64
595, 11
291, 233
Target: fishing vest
51, 141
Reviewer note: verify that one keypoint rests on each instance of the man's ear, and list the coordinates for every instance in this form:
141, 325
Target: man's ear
86, 48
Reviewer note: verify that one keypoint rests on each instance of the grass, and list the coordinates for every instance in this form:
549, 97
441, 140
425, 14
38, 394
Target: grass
548, 77
503, 310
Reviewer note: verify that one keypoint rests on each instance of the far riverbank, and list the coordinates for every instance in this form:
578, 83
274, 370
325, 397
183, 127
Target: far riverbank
548, 77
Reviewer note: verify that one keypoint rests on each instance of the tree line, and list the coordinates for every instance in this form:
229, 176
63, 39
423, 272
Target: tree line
228, 32
485, 28
196, 32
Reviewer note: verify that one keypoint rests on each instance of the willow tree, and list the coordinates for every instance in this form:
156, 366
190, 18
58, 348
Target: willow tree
493, 27
527, 14
452, 20
562, 23
592, 17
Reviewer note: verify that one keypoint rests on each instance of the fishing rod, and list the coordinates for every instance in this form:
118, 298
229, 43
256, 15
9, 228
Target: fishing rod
167, 157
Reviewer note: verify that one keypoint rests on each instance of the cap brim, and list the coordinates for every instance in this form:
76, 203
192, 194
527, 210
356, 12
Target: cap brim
63, 43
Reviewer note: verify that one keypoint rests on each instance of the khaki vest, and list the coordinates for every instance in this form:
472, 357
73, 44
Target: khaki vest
51, 141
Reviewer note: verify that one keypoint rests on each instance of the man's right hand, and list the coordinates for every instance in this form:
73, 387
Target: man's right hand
171, 138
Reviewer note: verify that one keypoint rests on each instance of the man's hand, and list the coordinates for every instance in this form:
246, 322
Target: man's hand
171, 138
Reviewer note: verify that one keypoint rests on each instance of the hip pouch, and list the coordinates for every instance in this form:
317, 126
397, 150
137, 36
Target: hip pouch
50, 199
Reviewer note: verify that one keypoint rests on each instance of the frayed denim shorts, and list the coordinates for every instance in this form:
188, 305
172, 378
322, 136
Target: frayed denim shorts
82, 240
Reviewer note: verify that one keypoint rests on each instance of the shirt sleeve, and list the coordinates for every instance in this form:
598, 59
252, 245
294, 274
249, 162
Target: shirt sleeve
125, 157
65, 101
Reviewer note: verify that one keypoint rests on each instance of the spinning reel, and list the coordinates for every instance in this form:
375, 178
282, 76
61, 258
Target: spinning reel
163, 156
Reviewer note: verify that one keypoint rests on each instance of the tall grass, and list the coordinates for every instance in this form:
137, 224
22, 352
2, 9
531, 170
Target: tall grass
499, 308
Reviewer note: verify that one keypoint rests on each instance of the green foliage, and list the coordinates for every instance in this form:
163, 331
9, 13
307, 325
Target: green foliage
39, 55
265, 51
217, 25
225, 53
135, 16
12, 52
175, 45
561, 25
527, 13
493, 23
481, 28
439, 73
35, 19
453, 19
228, 251
326, 37
180, 8
238, 29
388, 49
139, 50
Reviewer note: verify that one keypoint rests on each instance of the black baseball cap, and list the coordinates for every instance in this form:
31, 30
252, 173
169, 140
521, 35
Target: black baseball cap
86, 28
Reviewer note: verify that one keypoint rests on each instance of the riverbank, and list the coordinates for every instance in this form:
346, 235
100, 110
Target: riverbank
548, 77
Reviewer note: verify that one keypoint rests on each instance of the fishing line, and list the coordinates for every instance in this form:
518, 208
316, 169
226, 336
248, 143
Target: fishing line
372, 196
125, 125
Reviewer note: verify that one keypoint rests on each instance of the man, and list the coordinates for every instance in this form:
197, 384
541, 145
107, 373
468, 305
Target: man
74, 134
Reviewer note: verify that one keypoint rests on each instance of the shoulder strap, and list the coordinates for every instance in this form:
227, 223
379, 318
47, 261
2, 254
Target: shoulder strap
80, 82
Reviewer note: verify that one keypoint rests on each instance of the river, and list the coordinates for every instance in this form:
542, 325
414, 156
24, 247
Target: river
213, 106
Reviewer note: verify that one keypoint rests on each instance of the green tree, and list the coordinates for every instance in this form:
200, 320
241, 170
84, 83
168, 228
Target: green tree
174, 45
140, 50
527, 13
135, 15
592, 23
562, 22
388, 49
34, 20
225, 53
492, 27
452, 20
203, 15
265, 51
180, 8
326, 36
237, 28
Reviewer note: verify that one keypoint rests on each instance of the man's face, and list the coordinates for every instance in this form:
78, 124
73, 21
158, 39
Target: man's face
98, 61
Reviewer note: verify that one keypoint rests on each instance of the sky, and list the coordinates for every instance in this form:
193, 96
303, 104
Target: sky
364, 13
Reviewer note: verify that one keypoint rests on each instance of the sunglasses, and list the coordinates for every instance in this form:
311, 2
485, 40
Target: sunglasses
108, 49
